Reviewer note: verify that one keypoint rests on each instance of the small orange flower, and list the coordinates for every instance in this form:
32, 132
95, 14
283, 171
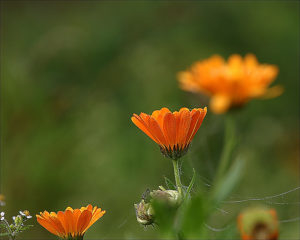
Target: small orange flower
258, 223
172, 131
232, 83
70, 224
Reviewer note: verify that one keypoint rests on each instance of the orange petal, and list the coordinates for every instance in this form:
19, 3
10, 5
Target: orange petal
157, 131
89, 207
70, 209
195, 114
71, 221
62, 219
199, 122
183, 127
250, 60
159, 117
273, 92
98, 214
83, 221
169, 128
220, 104
235, 60
141, 125
47, 225
76, 215
57, 225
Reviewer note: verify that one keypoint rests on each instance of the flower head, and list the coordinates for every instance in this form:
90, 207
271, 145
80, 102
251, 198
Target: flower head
258, 224
25, 214
72, 223
232, 83
173, 132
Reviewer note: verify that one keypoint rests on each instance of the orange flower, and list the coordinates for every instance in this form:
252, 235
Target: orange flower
172, 131
70, 224
232, 83
258, 223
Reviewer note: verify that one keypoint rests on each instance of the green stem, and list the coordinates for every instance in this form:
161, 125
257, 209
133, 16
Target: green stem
229, 143
177, 177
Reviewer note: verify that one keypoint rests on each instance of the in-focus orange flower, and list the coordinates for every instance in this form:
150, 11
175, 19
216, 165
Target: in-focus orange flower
258, 224
72, 223
232, 83
173, 132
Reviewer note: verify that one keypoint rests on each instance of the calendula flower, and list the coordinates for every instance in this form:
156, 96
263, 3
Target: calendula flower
72, 223
258, 224
232, 83
173, 132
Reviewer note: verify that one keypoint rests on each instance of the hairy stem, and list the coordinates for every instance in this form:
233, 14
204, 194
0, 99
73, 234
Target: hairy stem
177, 177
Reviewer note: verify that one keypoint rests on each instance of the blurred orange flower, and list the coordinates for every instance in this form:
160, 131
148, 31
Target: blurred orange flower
70, 224
172, 131
232, 83
258, 223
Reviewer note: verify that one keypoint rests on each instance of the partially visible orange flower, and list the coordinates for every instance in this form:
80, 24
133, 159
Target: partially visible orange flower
173, 132
2, 198
232, 83
72, 223
258, 224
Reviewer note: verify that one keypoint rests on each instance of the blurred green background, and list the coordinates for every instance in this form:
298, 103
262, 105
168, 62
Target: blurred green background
73, 72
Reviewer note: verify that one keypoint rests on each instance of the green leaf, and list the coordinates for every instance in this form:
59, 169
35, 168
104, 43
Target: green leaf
26, 227
165, 215
194, 213
187, 194
229, 145
229, 181
169, 183
4, 234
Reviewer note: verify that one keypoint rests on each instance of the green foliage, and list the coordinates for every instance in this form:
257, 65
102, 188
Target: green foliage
225, 186
165, 218
194, 215
189, 189
169, 183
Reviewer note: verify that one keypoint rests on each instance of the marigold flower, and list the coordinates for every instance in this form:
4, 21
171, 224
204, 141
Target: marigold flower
70, 224
232, 83
173, 132
258, 224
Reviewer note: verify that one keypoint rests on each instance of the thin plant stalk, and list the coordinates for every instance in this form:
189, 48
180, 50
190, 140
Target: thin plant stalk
229, 143
177, 177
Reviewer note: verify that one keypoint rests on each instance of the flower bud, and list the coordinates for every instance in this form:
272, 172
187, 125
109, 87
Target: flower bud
144, 213
258, 224
170, 196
